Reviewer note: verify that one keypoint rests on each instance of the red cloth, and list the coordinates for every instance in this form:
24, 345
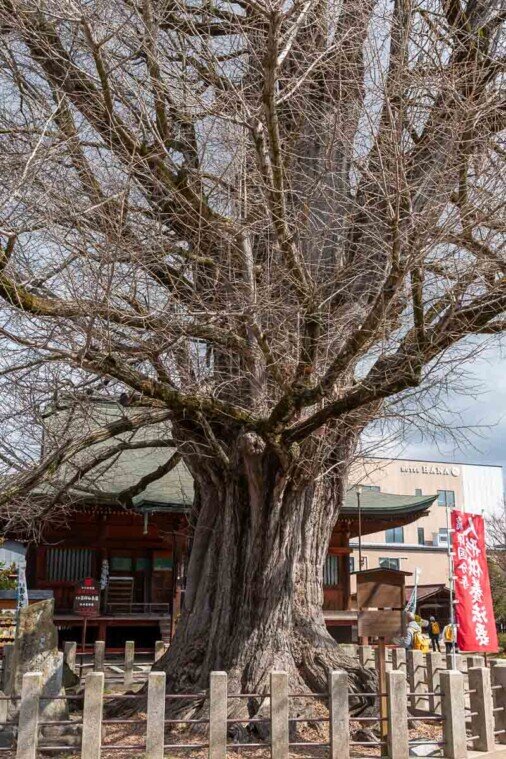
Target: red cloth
474, 614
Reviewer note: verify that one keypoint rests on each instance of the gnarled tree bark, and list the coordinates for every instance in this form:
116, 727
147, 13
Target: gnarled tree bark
254, 596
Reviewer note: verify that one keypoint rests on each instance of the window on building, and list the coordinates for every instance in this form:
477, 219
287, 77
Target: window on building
351, 564
331, 570
376, 488
395, 535
389, 563
68, 564
421, 536
418, 491
442, 538
446, 498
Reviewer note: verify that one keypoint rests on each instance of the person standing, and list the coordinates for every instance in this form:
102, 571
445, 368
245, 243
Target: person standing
413, 633
434, 633
450, 637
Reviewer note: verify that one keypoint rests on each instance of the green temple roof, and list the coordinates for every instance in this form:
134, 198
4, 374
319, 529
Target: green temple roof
175, 491
374, 503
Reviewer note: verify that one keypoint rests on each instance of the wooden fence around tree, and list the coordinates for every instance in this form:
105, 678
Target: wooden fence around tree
479, 726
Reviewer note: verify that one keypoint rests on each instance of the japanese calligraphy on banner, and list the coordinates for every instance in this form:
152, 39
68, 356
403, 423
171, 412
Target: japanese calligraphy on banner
474, 614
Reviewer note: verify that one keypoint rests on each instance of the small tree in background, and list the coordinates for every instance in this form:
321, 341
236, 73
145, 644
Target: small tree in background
7, 576
496, 555
268, 223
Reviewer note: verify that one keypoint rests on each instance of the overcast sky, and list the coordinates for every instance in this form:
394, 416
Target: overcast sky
485, 408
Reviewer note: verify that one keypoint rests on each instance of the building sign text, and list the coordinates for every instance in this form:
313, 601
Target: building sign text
430, 469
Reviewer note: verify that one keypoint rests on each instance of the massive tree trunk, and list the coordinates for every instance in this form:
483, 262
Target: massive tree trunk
254, 594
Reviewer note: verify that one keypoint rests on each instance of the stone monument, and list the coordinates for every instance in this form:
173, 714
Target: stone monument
36, 650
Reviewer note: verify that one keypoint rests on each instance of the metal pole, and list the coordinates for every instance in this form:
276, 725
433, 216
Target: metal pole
450, 573
359, 529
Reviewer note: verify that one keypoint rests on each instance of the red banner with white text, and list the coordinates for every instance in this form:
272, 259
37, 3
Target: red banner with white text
474, 613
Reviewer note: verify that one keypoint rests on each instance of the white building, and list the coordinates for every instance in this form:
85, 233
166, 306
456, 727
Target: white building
423, 544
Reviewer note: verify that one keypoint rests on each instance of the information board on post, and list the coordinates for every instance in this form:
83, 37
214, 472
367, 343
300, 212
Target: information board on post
87, 606
87, 599
380, 623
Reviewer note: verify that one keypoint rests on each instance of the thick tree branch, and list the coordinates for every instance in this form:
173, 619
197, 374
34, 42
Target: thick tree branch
392, 374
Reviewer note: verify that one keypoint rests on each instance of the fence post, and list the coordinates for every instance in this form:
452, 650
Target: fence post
498, 678
398, 736
480, 699
155, 727
8, 650
339, 730
454, 715
434, 668
99, 657
475, 661
218, 711
366, 656
69, 653
279, 715
4, 707
28, 726
416, 679
159, 649
388, 660
459, 662
129, 662
92, 715
399, 659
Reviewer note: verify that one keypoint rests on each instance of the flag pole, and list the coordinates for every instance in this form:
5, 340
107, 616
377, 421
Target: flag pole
450, 577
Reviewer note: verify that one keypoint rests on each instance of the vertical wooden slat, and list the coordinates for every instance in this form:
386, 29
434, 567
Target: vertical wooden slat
480, 699
99, 656
454, 714
339, 730
155, 728
28, 727
159, 649
498, 677
218, 715
49, 574
435, 665
398, 736
8, 653
129, 662
399, 659
92, 716
279, 715
416, 679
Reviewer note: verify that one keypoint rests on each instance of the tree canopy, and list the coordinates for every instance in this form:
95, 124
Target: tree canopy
264, 222
257, 214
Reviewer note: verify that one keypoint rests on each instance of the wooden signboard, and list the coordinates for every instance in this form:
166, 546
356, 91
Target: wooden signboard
381, 588
86, 605
381, 598
87, 599
380, 623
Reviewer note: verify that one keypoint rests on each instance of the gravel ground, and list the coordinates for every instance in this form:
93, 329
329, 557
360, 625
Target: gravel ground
128, 740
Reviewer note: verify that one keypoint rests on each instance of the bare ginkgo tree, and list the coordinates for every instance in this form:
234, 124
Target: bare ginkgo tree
265, 221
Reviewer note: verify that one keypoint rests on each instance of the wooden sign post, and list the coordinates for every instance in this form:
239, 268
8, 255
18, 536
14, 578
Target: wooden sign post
383, 590
86, 605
